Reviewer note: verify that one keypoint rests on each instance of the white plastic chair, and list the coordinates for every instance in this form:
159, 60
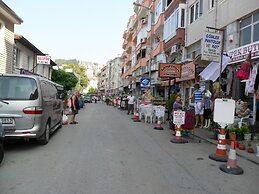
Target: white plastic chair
149, 114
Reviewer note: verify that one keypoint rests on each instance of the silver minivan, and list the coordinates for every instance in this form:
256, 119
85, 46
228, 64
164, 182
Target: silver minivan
30, 107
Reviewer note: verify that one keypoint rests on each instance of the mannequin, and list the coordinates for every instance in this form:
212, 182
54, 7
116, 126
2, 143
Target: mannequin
207, 108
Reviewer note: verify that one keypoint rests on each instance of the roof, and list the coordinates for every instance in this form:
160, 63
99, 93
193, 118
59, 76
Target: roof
9, 13
21, 39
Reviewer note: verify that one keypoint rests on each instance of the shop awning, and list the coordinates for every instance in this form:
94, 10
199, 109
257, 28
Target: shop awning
211, 72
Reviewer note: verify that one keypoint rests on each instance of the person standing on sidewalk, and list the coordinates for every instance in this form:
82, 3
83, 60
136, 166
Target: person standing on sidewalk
131, 100
74, 107
198, 105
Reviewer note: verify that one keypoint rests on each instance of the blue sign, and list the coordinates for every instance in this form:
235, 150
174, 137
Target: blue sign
145, 82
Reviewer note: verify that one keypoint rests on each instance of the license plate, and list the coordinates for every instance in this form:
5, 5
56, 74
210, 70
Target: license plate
7, 121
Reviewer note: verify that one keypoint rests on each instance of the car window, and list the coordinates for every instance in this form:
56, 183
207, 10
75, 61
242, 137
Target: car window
18, 88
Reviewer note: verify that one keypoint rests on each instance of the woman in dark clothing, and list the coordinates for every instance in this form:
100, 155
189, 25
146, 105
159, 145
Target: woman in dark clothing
176, 106
74, 107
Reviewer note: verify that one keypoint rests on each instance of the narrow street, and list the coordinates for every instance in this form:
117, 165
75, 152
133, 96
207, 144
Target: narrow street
107, 153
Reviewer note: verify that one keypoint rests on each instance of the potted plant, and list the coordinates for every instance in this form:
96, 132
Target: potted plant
241, 146
232, 134
246, 131
250, 149
239, 134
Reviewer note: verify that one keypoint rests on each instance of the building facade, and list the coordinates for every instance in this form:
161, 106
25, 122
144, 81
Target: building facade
8, 19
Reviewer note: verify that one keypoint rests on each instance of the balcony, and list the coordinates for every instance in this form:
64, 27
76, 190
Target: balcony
158, 48
160, 22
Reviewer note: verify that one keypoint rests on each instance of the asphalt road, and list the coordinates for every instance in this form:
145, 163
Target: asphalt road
107, 153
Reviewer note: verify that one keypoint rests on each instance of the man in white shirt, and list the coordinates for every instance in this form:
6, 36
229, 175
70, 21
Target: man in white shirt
131, 100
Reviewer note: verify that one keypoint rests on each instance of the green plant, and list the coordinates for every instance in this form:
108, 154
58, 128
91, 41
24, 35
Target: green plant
232, 131
170, 102
245, 129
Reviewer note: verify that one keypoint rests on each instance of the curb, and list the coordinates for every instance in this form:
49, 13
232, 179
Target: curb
238, 154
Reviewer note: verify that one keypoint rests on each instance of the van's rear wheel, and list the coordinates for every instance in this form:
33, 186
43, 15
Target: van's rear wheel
1, 153
44, 139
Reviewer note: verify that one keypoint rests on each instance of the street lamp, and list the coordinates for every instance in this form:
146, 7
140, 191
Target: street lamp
151, 45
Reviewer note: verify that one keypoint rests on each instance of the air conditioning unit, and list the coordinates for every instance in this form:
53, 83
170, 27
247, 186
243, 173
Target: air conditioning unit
144, 20
143, 40
174, 49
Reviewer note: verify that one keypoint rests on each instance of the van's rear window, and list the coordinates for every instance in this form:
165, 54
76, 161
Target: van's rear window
18, 88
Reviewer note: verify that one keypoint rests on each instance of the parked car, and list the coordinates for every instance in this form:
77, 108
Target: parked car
1, 142
30, 107
87, 99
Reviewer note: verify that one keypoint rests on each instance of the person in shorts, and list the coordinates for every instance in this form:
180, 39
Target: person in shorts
74, 107
131, 100
198, 105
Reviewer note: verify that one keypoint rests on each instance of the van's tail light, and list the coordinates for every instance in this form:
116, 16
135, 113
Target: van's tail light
33, 110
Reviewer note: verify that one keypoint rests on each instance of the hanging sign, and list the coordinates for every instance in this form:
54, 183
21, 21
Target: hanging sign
145, 82
211, 46
168, 70
43, 59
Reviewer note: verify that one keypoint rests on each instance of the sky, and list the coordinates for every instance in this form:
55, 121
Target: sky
87, 30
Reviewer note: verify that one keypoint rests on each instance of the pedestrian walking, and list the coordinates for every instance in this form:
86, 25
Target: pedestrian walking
131, 100
198, 105
74, 107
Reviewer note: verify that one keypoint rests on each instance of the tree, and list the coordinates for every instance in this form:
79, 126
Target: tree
68, 80
91, 90
80, 71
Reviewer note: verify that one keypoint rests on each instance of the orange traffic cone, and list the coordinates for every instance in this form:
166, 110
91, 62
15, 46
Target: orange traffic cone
178, 136
136, 119
231, 166
158, 125
221, 152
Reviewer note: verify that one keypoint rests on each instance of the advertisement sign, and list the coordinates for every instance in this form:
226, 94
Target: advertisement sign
227, 116
43, 59
169, 70
241, 53
211, 46
179, 117
145, 82
188, 72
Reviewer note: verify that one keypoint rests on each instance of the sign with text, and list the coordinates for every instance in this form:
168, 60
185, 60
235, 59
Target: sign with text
179, 117
169, 70
188, 72
43, 59
211, 46
240, 54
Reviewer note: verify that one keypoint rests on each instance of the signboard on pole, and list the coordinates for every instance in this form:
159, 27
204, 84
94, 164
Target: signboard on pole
224, 111
145, 83
43, 59
211, 46
179, 117
169, 70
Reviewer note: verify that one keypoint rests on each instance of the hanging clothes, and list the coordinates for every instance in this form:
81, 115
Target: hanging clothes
251, 81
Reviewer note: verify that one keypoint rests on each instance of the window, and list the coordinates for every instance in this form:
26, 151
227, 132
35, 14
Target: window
171, 25
249, 29
182, 18
16, 57
168, 2
158, 11
196, 10
212, 4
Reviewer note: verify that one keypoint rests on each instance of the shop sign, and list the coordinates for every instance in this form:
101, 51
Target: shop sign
43, 59
179, 117
166, 83
145, 82
169, 70
241, 53
188, 72
211, 46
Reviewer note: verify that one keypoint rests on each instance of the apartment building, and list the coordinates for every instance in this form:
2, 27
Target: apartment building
102, 81
113, 83
239, 21
8, 19
155, 34
24, 58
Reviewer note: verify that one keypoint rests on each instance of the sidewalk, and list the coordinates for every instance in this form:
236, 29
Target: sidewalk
206, 135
